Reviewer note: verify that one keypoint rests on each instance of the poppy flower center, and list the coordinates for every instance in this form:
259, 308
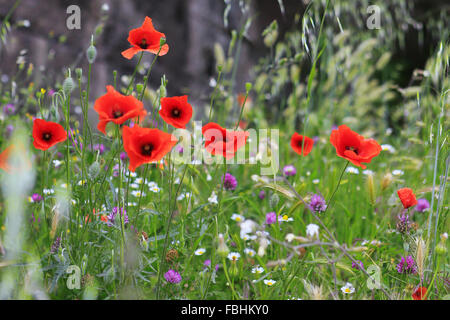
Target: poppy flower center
147, 149
176, 113
352, 149
46, 136
143, 44
117, 114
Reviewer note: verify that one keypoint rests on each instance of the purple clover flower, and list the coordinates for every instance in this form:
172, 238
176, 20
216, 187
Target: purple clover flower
406, 265
271, 217
317, 203
262, 194
9, 109
229, 182
289, 170
172, 276
358, 266
422, 205
36, 197
123, 156
207, 264
112, 216
56, 244
99, 147
403, 224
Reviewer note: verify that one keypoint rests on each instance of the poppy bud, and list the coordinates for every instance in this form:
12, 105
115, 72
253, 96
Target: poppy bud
248, 86
222, 248
91, 52
162, 41
94, 170
139, 88
274, 199
68, 85
79, 72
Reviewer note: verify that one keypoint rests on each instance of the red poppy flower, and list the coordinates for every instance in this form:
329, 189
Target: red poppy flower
118, 108
145, 38
222, 141
297, 141
353, 147
176, 111
46, 134
419, 293
144, 145
407, 197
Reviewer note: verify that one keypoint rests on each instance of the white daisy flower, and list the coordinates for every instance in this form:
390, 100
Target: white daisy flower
388, 148
138, 180
269, 282
208, 177
234, 256
48, 191
247, 237
312, 230
367, 172
250, 252
200, 251
258, 270
152, 184
213, 198
134, 186
352, 170
155, 189
137, 193
57, 163
348, 288
398, 172
237, 217
285, 218
316, 181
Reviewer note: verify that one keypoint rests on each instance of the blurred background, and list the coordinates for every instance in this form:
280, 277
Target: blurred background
194, 29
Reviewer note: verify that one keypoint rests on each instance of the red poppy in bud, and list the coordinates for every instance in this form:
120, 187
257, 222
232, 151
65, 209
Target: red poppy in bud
145, 38
144, 145
46, 134
221, 141
301, 144
353, 147
176, 111
118, 108
407, 197
419, 293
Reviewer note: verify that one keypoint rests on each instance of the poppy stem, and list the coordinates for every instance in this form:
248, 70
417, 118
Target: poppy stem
213, 96
148, 74
337, 186
166, 240
134, 74
242, 110
140, 194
